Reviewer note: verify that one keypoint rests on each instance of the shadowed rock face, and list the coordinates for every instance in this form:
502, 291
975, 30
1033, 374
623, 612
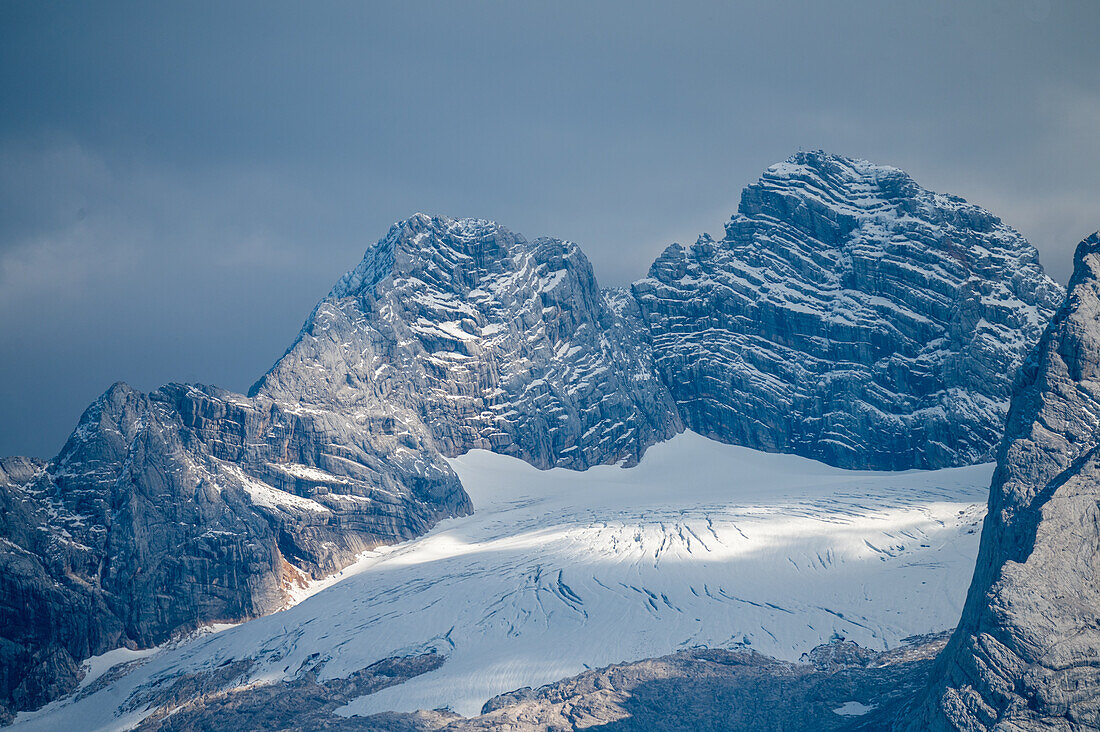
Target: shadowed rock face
849, 316
1026, 654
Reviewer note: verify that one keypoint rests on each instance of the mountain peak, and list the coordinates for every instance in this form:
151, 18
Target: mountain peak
827, 161
1088, 246
846, 300
511, 337
833, 169
851, 192
421, 239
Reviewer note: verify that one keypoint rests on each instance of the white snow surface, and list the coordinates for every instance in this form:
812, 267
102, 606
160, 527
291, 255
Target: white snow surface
557, 571
96, 666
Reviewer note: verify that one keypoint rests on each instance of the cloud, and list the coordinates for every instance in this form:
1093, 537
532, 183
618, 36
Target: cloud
178, 187
127, 271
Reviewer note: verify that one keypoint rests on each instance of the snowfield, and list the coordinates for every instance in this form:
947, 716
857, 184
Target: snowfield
701, 544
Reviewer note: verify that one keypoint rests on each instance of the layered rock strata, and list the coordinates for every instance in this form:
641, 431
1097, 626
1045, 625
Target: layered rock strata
850, 316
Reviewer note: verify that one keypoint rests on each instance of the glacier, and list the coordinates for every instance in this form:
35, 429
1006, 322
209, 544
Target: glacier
701, 544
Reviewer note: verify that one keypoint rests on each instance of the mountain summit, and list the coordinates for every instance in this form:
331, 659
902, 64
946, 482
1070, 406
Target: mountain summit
477, 338
851, 316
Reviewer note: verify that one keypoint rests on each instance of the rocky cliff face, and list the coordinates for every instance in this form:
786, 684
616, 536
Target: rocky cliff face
187, 506
478, 338
1026, 654
850, 316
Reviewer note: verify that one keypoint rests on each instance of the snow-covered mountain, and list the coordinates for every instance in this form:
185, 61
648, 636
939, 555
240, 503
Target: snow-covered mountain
481, 339
848, 315
851, 316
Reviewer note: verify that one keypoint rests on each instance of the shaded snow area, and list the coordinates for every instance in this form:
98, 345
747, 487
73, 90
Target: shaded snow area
852, 709
701, 544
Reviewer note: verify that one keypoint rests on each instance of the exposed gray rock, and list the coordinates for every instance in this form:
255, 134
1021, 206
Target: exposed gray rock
716, 689
697, 689
1026, 654
850, 316
211, 701
18, 470
837, 655
478, 338
192, 505
48, 618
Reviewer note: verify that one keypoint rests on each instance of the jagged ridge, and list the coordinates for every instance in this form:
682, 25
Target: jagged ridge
478, 338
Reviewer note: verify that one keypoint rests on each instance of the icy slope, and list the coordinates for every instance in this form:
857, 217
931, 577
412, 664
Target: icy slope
702, 543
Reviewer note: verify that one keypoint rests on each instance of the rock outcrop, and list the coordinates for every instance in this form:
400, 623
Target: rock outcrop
838, 686
186, 506
1026, 654
850, 316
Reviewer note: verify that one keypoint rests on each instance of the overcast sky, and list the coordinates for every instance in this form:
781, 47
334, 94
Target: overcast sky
179, 185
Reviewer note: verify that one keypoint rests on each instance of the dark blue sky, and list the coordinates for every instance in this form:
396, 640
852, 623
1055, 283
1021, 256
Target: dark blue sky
180, 183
